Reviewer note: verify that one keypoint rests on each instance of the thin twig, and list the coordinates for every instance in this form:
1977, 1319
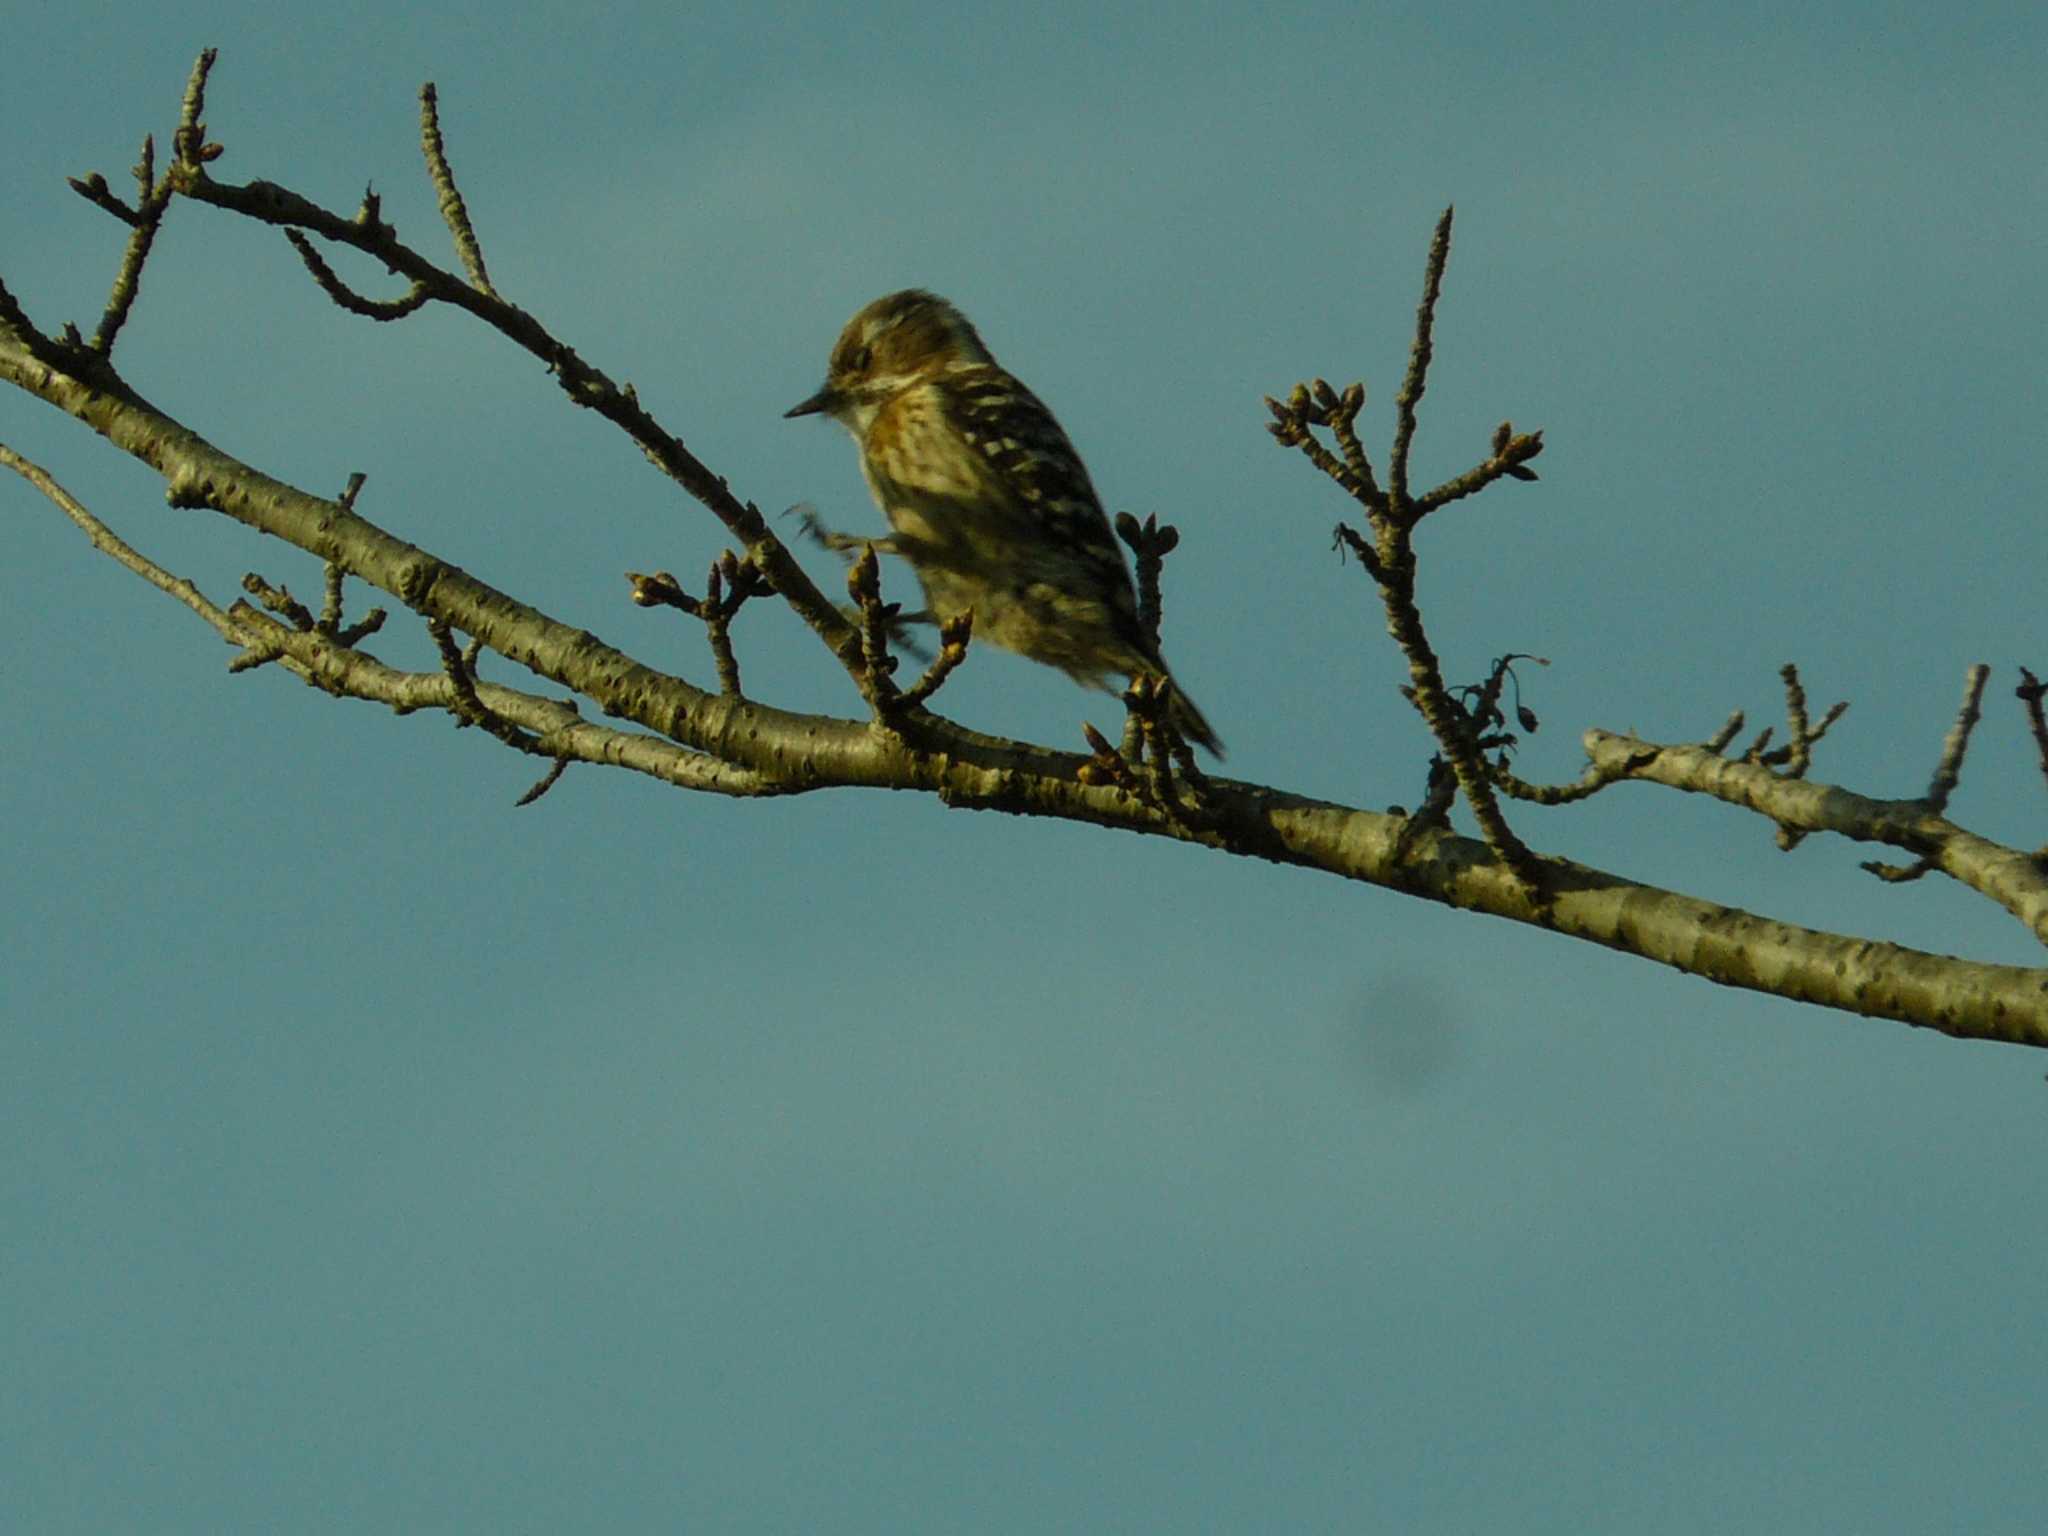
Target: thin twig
1730, 729
1510, 460
279, 601
330, 606
1150, 544
346, 297
94, 189
453, 211
1588, 784
1899, 874
1344, 427
1292, 422
1107, 765
469, 707
105, 540
864, 585
148, 216
732, 582
953, 637
1950, 768
1800, 746
2030, 693
546, 782
1389, 557
188, 144
1417, 379
587, 386
188, 148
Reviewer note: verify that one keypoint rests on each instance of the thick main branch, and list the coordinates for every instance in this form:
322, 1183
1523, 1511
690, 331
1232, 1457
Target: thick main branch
744, 747
795, 751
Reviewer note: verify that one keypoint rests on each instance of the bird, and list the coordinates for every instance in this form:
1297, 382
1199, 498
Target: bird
986, 498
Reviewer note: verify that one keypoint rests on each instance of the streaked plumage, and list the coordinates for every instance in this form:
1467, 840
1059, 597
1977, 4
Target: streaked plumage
986, 498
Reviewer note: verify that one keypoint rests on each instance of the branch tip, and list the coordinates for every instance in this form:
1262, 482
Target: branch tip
454, 212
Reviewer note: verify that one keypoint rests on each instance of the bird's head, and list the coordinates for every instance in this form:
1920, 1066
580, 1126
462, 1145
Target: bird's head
895, 342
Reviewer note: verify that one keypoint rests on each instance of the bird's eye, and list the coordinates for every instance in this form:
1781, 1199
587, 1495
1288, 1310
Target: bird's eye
862, 357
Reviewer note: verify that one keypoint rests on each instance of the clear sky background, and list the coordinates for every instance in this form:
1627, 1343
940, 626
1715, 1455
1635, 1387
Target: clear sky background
377, 1157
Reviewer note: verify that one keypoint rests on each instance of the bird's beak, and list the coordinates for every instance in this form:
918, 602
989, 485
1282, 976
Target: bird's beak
820, 403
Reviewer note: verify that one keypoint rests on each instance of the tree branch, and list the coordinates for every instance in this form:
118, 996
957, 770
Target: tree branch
724, 743
2014, 879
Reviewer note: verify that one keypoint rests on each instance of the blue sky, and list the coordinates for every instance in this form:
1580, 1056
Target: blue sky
378, 1156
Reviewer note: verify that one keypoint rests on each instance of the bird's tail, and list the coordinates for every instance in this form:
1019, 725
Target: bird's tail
1141, 656
1189, 721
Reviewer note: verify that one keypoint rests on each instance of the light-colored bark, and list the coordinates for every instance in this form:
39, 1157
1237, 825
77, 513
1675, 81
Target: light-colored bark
721, 742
